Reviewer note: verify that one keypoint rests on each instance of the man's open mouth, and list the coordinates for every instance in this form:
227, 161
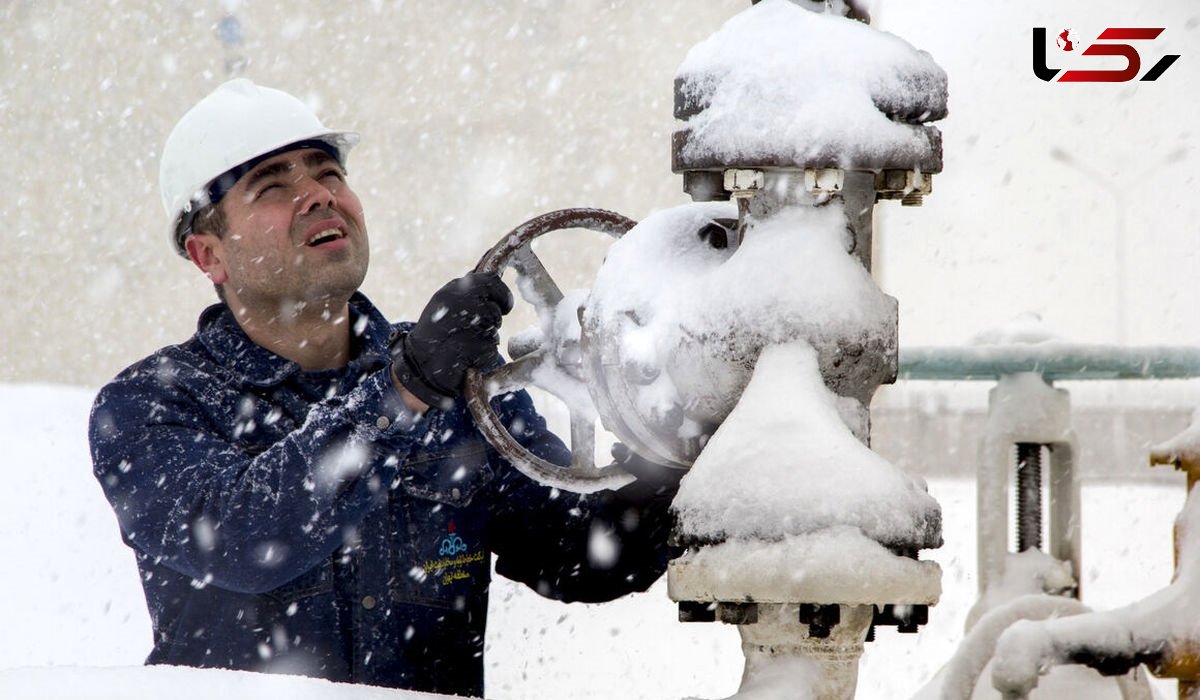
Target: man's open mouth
326, 236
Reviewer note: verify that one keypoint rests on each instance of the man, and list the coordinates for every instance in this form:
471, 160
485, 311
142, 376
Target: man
301, 483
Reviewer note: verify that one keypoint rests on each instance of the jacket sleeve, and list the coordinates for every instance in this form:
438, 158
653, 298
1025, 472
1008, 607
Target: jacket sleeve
188, 497
574, 547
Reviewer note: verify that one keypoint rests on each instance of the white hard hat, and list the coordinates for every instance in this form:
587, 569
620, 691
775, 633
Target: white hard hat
237, 123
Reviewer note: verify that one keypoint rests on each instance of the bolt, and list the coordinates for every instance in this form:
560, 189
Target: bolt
821, 619
738, 613
697, 611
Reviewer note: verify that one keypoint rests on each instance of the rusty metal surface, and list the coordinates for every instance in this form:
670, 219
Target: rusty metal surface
929, 162
600, 220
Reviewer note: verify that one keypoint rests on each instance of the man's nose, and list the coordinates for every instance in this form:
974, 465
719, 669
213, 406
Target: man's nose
314, 195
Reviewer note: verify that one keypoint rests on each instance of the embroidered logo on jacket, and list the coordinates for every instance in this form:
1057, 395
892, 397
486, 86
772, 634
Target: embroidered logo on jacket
451, 544
455, 558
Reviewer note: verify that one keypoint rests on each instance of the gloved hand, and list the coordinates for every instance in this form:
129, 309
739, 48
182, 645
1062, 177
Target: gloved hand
458, 330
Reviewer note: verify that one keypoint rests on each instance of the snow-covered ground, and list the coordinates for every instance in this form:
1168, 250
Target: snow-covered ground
73, 623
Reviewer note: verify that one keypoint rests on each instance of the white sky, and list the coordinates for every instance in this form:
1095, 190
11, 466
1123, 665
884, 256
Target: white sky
1009, 228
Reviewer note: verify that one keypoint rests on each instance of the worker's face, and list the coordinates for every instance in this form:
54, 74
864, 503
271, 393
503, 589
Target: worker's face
295, 235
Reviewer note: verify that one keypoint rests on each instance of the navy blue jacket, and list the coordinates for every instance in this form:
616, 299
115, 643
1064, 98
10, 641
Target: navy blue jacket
307, 522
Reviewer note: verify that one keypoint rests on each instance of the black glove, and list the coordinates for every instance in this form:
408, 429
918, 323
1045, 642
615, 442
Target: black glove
651, 480
458, 330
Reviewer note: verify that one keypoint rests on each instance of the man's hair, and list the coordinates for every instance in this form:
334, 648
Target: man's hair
211, 219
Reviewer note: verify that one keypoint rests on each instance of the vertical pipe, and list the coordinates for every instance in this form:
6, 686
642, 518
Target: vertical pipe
1029, 496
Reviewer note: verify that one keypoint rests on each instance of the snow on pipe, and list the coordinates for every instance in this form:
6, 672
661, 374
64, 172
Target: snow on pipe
1159, 630
1181, 451
959, 677
866, 110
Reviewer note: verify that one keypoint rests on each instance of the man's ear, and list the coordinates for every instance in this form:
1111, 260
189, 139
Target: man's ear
207, 253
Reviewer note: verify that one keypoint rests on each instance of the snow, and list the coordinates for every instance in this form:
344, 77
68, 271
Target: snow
1035, 586
791, 277
1024, 328
1181, 449
1025, 573
75, 623
785, 463
833, 66
560, 332
178, 683
968, 673
1164, 620
781, 677
650, 277
837, 563
699, 311
636, 266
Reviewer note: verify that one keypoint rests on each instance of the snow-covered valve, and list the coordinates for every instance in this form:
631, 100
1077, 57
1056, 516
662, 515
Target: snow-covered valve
744, 340
796, 531
805, 98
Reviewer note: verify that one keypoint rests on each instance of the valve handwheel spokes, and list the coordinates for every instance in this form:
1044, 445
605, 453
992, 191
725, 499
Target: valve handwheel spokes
555, 357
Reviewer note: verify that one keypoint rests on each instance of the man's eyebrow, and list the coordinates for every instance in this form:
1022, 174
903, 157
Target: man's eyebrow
265, 172
318, 157
311, 160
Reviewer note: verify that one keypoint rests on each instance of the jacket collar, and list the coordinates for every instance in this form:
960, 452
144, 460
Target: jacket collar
219, 333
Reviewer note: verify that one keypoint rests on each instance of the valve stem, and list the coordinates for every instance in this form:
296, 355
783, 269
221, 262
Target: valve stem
1029, 496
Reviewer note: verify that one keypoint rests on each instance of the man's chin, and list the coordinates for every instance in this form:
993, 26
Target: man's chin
339, 279
336, 291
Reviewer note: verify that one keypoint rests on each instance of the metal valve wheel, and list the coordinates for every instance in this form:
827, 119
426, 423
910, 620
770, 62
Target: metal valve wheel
551, 362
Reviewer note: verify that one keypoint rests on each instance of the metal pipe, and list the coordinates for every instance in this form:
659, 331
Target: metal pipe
1052, 360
